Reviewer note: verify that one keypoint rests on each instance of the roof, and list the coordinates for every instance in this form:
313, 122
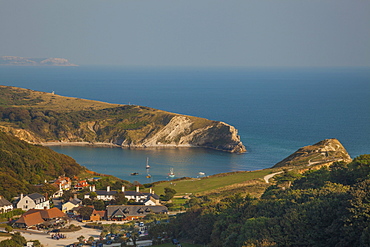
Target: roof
134, 193
99, 212
134, 210
75, 201
35, 196
51, 213
81, 184
155, 196
105, 193
30, 219
4, 202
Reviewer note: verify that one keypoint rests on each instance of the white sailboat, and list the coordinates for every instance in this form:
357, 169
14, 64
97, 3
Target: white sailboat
147, 163
147, 168
171, 174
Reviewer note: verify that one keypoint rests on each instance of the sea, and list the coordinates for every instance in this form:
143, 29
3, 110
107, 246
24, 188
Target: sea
276, 111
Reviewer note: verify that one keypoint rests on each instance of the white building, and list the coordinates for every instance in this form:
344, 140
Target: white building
5, 205
33, 201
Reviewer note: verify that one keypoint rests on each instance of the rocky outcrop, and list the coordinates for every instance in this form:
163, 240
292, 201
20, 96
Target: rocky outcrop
21, 134
179, 132
323, 152
23, 61
46, 118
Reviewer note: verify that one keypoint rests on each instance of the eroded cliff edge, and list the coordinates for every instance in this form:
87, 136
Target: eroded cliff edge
322, 153
46, 118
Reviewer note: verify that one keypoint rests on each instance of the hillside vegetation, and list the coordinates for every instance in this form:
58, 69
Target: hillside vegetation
44, 117
325, 207
219, 185
23, 165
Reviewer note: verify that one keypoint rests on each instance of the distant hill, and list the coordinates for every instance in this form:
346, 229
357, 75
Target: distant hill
23, 165
40, 117
322, 153
26, 61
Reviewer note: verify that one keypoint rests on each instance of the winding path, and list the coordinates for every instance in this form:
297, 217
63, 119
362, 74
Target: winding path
267, 177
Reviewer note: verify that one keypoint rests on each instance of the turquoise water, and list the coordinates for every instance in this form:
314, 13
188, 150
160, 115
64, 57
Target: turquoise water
276, 111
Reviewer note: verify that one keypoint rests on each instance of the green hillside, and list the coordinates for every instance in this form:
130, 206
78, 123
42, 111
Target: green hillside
325, 207
23, 165
40, 117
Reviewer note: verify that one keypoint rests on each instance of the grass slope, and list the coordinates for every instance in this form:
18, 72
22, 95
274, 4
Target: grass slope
218, 185
22, 165
20, 97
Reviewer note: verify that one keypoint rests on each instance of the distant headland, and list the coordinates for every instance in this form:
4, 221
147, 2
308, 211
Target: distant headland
27, 61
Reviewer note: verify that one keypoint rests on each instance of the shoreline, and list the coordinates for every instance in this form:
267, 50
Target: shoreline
97, 144
112, 145
143, 146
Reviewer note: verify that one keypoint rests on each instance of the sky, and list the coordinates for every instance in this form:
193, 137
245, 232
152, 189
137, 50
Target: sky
242, 33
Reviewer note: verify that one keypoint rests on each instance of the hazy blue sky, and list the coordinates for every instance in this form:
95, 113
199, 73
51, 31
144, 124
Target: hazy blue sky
189, 32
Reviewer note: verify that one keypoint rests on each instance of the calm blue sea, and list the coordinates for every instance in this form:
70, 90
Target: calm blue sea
276, 110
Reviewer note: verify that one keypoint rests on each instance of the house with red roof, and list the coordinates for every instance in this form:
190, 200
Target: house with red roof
35, 217
81, 184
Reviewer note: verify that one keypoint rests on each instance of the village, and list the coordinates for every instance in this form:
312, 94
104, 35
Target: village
78, 214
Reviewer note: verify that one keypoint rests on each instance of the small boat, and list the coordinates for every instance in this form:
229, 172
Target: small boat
201, 173
147, 163
134, 173
148, 176
171, 174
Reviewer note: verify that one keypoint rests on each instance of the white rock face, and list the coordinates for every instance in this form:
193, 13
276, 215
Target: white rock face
179, 133
178, 126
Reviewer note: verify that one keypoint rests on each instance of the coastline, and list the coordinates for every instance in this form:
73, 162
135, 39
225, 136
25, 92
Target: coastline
106, 144
97, 144
138, 147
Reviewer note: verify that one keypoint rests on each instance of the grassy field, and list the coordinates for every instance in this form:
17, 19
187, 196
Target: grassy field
48, 101
207, 185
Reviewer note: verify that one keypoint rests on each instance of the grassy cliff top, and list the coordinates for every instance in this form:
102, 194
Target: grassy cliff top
20, 97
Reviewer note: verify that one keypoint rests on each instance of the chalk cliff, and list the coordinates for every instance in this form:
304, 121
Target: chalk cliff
51, 119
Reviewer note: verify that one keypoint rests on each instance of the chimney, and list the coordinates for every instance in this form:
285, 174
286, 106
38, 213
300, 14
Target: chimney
150, 191
90, 188
137, 188
123, 188
21, 196
75, 196
108, 188
93, 188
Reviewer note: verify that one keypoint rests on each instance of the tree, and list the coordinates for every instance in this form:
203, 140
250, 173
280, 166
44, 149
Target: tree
67, 195
85, 212
36, 243
120, 199
8, 228
19, 239
99, 205
81, 238
168, 194
9, 243
286, 178
93, 195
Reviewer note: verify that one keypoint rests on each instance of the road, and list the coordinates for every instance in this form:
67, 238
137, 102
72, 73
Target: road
71, 237
267, 177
